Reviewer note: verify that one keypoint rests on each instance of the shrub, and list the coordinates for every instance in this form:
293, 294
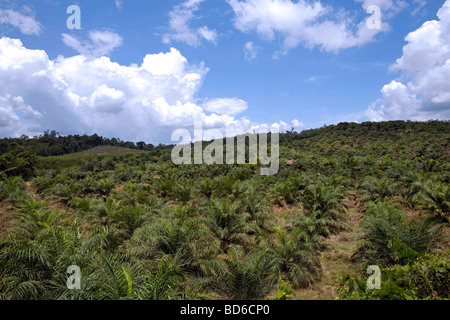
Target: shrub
425, 279
18, 162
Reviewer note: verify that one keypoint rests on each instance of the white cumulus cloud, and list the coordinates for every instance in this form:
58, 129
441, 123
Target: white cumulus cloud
309, 23
229, 106
423, 92
100, 43
81, 94
389, 7
26, 24
181, 31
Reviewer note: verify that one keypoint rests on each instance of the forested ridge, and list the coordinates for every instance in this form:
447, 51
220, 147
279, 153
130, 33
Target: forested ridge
50, 143
346, 196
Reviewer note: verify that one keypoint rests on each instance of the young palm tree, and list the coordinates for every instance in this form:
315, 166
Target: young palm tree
299, 181
312, 224
385, 223
327, 202
179, 232
12, 190
206, 187
224, 185
378, 188
240, 275
105, 186
413, 185
164, 282
65, 191
257, 208
336, 180
227, 224
435, 198
37, 254
283, 193
165, 186
295, 255
111, 277
183, 190
104, 210
129, 219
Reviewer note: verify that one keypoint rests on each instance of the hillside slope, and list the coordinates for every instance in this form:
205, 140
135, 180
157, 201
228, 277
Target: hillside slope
346, 196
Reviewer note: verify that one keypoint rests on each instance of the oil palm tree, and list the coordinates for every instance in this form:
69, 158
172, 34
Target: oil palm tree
256, 207
164, 282
165, 186
183, 190
313, 226
227, 224
296, 256
111, 277
37, 253
206, 187
378, 188
435, 198
12, 190
224, 185
178, 232
240, 275
284, 193
385, 223
327, 203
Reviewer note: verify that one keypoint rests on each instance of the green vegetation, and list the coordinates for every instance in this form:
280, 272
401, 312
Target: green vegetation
95, 159
52, 144
139, 227
17, 162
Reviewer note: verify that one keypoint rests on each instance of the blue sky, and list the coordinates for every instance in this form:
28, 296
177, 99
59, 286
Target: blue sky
250, 64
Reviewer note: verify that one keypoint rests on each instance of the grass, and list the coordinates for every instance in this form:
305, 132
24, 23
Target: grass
76, 159
335, 260
335, 256
7, 214
105, 150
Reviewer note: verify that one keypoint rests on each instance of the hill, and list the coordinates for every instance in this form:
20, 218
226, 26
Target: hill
77, 159
140, 227
52, 144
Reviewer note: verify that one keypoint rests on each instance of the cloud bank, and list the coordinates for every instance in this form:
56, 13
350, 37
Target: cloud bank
84, 94
423, 90
308, 23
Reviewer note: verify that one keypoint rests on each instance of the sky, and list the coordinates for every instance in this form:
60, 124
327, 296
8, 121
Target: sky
140, 69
